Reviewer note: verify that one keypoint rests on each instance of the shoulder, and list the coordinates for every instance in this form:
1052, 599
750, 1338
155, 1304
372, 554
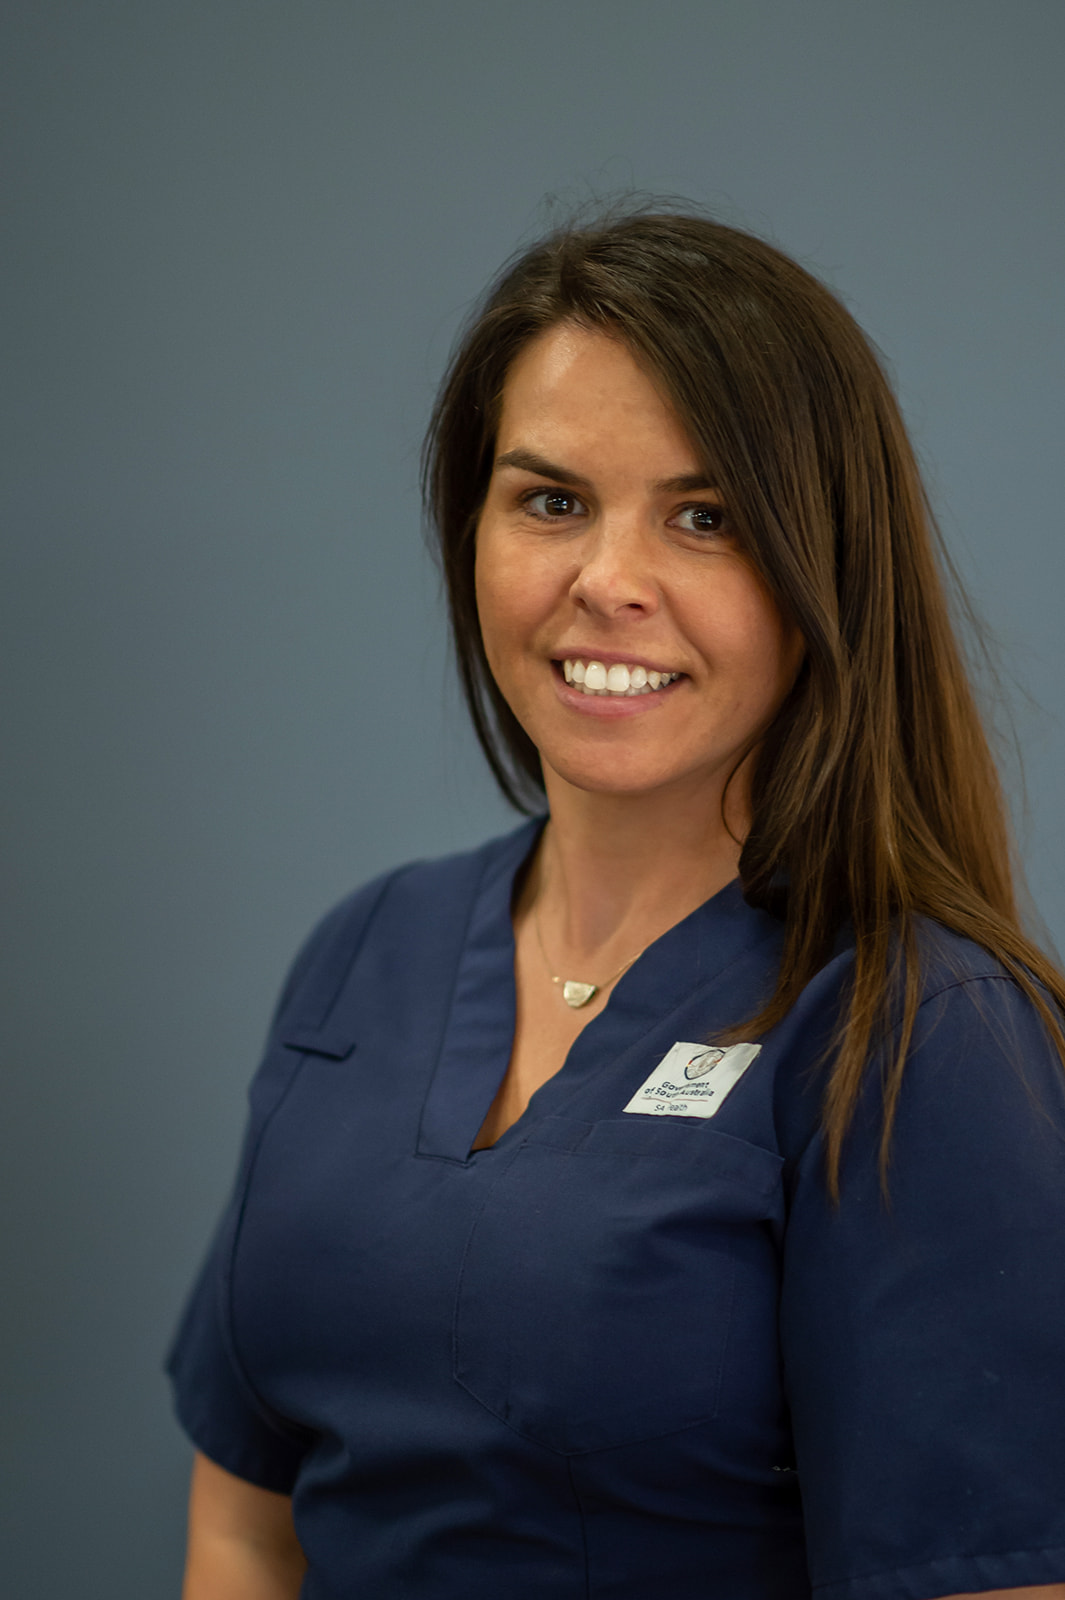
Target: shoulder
982, 1071
948, 959
977, 1124
417, 901
954, 975
981, 1066
976, 1021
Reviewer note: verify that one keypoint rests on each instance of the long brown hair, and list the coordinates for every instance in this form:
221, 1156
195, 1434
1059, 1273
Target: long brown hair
875, 796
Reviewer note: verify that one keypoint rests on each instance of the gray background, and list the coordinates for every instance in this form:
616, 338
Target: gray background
238, 240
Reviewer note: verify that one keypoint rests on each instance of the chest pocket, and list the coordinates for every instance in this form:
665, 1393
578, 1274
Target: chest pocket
599, 1279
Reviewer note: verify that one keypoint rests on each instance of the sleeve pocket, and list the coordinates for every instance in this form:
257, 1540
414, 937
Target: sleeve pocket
334, 1042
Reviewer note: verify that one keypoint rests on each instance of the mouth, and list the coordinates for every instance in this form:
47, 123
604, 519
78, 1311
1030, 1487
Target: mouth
621, 680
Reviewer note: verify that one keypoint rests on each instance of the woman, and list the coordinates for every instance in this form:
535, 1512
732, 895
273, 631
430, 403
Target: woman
665, 1200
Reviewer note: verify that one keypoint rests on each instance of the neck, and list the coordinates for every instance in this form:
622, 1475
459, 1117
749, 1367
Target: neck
614, 872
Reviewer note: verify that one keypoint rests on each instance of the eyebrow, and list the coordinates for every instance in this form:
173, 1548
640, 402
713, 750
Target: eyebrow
529, 461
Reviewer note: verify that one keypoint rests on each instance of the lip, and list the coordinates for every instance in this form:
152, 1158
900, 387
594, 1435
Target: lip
610, 706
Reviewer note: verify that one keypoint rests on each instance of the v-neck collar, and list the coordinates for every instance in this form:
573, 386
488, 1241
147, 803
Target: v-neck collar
479, 1034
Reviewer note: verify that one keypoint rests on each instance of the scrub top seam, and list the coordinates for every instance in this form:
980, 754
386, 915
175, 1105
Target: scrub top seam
794, 1162
282, 1425
922, 1566
299, 1054
962, 983
583, 1526
387, 883
588, 1451
473, 901
669, 1158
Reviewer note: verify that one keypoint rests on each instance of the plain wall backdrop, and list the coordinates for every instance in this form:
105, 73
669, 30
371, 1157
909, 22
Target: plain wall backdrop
239, 238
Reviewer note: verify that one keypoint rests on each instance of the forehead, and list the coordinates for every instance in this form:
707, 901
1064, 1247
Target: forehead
574, 382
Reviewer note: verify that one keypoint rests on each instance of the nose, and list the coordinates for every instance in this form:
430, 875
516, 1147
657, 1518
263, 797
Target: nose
615, 574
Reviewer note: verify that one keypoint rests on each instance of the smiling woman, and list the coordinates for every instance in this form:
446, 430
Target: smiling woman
667, 1198
624, 572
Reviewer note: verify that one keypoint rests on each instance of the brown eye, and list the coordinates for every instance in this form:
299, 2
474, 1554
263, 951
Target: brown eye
705, 520
552, 504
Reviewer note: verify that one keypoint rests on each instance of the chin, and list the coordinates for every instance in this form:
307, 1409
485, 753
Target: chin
610, 777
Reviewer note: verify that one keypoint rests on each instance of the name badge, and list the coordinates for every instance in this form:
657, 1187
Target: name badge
693, 1080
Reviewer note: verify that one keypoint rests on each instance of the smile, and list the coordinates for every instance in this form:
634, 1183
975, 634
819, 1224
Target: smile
593, 678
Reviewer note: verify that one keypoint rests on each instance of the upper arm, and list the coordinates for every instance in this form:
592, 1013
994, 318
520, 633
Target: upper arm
242, 1540
923, 1336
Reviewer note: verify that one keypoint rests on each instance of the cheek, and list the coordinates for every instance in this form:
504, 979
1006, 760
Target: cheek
493, 597
503, 608
747, 638
775, 657
514, 591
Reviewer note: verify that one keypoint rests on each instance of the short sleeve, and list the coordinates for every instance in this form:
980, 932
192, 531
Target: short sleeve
215, 1401
923, 1337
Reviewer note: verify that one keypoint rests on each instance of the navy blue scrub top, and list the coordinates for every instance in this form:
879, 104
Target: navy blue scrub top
635, 1354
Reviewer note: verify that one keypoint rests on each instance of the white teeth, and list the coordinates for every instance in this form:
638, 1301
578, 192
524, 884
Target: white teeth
594, 678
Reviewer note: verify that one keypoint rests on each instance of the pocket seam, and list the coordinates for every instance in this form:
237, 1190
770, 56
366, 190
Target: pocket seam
526, 1433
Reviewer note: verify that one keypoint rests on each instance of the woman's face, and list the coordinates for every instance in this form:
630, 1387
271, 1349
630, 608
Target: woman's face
601, 541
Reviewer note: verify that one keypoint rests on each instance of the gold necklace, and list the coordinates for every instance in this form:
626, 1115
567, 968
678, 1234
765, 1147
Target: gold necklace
573, 993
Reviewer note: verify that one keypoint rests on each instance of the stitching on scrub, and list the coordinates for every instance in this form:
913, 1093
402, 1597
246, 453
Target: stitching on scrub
386, 884
938, 1561
711, 1171
955, 983
299, 1059
584, 1527
460, 951
594, 1449
459, 1281
1002, 1029
728, 1332
621, 1444
794, 1162
274, 1418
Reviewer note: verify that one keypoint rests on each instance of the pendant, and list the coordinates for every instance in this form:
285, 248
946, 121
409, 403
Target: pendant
578, 994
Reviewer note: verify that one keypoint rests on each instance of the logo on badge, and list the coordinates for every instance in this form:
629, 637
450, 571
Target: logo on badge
704, 1062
